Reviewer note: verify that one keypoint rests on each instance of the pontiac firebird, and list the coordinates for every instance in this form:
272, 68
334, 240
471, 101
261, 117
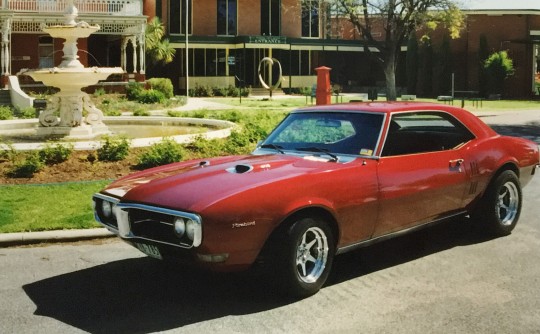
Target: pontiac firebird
327, 180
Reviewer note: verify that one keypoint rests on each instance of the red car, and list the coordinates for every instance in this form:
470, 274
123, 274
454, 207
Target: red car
327, 180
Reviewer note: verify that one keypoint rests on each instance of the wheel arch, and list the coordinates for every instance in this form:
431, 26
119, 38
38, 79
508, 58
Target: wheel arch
509, 165
313, 211
305, 212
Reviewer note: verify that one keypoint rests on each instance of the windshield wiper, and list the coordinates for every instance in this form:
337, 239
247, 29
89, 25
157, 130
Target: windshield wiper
318, 149
275, 147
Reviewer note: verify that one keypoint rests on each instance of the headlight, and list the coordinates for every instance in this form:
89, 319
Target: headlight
179, 227
106, 209
191, 226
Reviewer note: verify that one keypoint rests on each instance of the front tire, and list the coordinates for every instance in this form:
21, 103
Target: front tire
500, 208
307, 252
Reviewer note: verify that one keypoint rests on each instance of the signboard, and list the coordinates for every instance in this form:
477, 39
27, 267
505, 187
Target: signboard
268, 39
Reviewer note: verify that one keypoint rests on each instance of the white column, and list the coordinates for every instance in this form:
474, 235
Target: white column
123, 58
134, 43
6, 47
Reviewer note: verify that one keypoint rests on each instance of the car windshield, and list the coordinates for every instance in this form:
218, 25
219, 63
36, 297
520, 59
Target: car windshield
327, 132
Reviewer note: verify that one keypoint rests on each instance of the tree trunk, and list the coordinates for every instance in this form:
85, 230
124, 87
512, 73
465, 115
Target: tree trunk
390, 76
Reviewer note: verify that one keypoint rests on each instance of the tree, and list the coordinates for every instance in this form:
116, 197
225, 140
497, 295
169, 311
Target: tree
158, 49
426, 68
397, 19
499, 67
483, 54
412, 64
444, 68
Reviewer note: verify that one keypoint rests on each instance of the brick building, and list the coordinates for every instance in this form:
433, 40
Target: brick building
227, 39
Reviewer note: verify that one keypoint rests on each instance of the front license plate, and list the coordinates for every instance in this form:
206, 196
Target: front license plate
149, 250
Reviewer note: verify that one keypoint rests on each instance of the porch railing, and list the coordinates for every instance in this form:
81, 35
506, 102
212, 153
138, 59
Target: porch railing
108, 7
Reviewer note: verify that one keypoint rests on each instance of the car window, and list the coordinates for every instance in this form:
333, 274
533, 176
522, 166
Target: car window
345, 133
418, 132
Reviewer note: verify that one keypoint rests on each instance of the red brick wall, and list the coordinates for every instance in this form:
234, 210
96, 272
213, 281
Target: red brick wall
205, 17
249, 17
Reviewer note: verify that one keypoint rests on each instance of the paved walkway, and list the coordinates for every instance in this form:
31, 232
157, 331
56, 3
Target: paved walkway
523, 123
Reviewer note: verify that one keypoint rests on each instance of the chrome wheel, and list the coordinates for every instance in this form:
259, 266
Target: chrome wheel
508, 203
312, 255
498, 212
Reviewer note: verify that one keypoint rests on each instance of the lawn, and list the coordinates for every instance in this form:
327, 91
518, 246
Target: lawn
25, 208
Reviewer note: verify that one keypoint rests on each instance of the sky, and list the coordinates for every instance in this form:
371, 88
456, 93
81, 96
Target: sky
500, 4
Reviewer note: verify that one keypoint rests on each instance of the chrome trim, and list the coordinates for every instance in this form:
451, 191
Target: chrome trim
113, 200
123, 222
107, 198
399, 233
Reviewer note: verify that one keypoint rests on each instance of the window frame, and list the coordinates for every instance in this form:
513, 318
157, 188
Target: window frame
424, 136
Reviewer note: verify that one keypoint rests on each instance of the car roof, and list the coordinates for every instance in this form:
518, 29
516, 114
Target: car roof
381, 107
479, 128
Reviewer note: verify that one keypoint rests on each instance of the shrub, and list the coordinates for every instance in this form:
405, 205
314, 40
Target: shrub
26, 113
7, 151
111, 112
499, 66
55, 153
133, 90
113, 148
201, 91
205, 148
165, 152
150, 96
5, 113
163, 85
99, 91
141, 112
27, 167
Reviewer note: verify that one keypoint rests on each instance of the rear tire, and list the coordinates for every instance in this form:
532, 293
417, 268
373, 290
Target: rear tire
305, 256
499, 209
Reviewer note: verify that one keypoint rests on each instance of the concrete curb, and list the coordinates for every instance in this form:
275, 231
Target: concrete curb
28, 238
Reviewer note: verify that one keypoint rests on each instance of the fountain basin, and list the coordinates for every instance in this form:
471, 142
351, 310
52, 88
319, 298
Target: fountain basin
28, 128
74, 31
71, 80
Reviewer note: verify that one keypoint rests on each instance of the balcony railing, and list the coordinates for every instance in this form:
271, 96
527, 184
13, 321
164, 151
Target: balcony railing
108, 7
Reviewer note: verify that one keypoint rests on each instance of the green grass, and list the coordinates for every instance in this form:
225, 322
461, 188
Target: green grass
25, 208
292, 102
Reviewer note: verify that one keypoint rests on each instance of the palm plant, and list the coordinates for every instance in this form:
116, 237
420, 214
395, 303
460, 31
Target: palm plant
158, 49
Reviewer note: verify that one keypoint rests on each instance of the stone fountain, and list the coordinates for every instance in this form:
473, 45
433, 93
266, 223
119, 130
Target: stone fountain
71, 112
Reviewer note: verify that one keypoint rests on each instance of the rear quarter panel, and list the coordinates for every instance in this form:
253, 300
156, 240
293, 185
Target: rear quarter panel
489, 155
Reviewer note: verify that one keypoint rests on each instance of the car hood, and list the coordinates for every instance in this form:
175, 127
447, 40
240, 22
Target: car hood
193, 185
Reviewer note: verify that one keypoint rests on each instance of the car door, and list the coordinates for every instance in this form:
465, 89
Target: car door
421, 170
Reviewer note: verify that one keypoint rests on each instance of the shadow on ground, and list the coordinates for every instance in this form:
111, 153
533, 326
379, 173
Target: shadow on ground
530, 131
143, 295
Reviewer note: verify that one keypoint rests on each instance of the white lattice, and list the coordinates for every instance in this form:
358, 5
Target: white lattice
110, 7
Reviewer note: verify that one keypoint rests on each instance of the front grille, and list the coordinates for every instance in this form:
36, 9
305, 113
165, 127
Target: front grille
153, 226
157, 224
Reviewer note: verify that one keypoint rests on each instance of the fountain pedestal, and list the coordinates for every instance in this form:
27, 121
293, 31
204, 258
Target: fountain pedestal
71, 112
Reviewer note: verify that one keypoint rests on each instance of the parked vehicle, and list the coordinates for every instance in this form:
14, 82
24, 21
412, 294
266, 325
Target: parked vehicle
327, 180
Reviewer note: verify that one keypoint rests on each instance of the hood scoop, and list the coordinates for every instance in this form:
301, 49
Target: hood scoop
240, 169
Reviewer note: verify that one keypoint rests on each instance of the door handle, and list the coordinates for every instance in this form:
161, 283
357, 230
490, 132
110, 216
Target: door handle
456, 164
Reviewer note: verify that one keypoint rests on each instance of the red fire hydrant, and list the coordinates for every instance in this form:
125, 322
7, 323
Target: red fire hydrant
323, 93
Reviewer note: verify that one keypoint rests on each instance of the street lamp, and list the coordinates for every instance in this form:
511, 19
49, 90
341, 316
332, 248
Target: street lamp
187, 49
